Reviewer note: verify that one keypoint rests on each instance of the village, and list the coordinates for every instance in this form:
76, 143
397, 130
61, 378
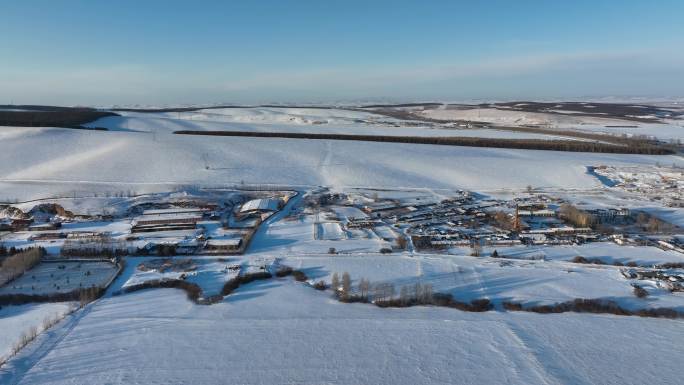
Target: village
48, 251
467, 220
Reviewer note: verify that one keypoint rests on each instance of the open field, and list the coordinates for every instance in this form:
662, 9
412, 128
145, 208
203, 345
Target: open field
60, 277
311, 338
89, 161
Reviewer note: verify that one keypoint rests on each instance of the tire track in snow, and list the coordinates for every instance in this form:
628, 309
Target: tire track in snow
323, 167
535, 363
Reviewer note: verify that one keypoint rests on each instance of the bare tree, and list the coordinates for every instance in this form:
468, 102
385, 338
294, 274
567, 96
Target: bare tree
427, 294
417, 291
576, 216
364, 286
402, 242
476, 249
335, 284
404, 295
346, 285
390, 290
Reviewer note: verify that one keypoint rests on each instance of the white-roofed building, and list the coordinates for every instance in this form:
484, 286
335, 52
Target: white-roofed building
262, 207
264, 204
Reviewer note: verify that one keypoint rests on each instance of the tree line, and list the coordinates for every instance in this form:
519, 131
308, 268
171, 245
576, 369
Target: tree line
67, 118
525, 144
17, 264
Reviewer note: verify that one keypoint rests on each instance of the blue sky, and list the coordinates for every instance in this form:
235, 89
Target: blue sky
173, 52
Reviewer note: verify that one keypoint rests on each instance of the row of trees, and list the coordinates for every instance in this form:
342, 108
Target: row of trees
69, 118
96, 247
576, 216
503, 220
525, 144
381, 292
14, 266
5, 252
653, 224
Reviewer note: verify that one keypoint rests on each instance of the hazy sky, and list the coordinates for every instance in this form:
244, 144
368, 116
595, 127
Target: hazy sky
172, 52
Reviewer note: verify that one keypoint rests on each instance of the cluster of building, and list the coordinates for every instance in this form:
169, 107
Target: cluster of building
464, 220
658, 183
163, 227
210, 229
670, 280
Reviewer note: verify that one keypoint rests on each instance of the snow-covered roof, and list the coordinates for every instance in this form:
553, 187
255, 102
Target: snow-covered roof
169, 217
224, 242
177, 210
265, 204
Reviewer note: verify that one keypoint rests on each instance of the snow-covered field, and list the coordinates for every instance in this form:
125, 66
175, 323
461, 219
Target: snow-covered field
77, 162
169, 122
280, 332
210, 274
468, 278
61, 277
607, 252
670, 129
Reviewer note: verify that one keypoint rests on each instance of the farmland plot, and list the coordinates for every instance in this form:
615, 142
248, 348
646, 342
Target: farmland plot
61, 277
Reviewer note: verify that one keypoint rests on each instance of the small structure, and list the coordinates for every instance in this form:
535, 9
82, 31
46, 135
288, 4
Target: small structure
170, 220
45, 226
536, 213
218, 246
259, 207
51, 236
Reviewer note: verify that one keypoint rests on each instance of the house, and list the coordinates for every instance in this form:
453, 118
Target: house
259, 207
537, 213
45, 226
47, 236
166, 221
610, 215
217, 246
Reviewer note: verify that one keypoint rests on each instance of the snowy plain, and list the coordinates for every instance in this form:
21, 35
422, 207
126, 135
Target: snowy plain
278, 331
668, 129
80, 162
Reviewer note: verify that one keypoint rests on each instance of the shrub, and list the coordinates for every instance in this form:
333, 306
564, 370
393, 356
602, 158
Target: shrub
671, 265
283, 271
193, 291
598, 306
320, 285
386, 250
593, 261
230, 286
299, 276
480, 305
512, 306
639, 291
234, 283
